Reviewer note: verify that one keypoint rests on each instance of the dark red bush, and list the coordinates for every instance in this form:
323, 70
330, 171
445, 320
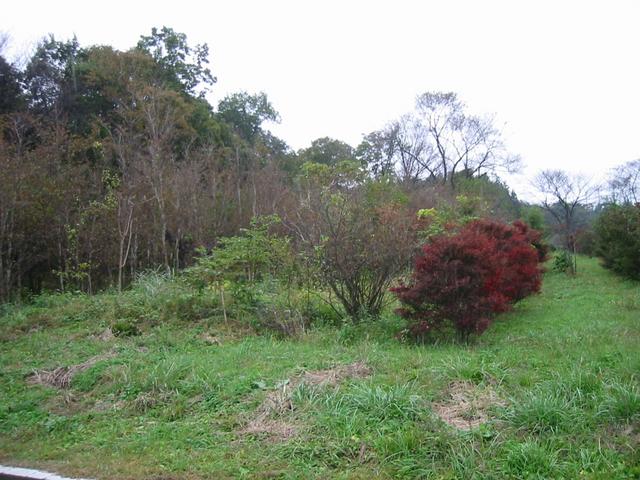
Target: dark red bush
466, 278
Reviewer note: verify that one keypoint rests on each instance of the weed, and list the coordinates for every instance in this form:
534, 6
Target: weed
543, 411
124, 328
529, 459
622, 403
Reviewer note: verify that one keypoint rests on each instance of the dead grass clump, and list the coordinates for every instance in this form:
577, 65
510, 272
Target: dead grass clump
277, 404
466, 405
276, 429
210, 339
64, 404
61, 377
106, 336
333, 376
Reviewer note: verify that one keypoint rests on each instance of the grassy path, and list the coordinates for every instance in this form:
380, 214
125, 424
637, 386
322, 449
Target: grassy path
552, 390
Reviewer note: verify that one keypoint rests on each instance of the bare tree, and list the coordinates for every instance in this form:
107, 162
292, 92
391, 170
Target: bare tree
440, 140
415, 155
624, 184
4, 42
563, 193
461, 142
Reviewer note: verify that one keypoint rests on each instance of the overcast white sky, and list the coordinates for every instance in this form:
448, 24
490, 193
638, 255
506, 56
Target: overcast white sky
563, 77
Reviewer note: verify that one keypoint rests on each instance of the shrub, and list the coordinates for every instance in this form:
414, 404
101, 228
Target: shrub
618, 239
563, 262
586, 241
365, 250
518, 273
125, 328
359, 232
239, 263
466, 278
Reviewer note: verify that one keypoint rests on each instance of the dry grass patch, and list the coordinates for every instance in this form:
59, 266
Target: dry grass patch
61, 377
466, 405
106, 336
275, 429
271, 415
333, 376
210, 339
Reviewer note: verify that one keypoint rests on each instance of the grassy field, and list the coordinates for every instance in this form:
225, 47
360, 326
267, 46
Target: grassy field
551, 390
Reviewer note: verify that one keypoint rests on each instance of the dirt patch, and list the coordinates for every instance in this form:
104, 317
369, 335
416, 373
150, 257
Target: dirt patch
66, 404
61, 377
278, 401
623, 438
466, 405
271, 416
148, 400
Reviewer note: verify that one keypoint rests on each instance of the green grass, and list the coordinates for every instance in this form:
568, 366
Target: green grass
564, 369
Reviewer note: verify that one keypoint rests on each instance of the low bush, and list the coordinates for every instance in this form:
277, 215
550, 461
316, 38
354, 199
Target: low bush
238, 265
125, 328
358, 234
465, 278
563, 262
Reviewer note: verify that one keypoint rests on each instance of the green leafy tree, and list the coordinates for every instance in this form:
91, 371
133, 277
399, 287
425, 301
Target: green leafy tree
618, 239
533, 216
50, 76
238, 262
246, 113
327, 151
181, 67
498, 200
10, 91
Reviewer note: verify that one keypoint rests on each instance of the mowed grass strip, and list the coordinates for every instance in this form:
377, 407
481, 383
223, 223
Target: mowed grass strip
558, 378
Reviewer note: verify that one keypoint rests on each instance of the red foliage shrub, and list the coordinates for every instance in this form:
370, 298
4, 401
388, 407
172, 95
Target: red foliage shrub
467, 278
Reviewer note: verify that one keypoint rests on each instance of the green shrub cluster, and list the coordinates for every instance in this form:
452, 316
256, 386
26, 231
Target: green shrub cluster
618, 239
563, 262
257, 279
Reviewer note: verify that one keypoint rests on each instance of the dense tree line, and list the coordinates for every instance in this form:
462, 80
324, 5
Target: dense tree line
114, 162
617, 229
594, 219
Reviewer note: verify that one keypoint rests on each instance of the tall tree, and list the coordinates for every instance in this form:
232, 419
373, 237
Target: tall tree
10, 78
327, 151
50, 76
246, 113
440, 140
181, 67
461, 142
564, 194
624, 184
401, 149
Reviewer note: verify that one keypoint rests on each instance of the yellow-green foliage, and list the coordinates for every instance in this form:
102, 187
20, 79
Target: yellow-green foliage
447, 217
